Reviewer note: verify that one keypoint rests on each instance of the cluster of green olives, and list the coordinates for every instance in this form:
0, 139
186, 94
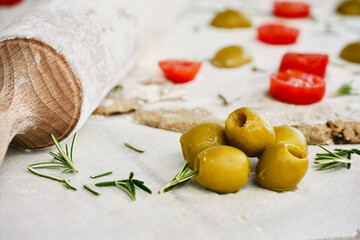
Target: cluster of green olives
220, 155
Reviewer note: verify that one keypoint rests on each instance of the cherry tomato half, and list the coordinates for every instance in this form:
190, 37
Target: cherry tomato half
291, 9
297, 87
179, 71
277, 34
8, 3
309, 63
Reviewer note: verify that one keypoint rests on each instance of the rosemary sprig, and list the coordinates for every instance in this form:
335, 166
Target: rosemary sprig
66, 181
133, 147
64, 160
344, 90
101, 175
225, 101
65, 157
256, 69
92, 189
331, 159
181, 177
128, 185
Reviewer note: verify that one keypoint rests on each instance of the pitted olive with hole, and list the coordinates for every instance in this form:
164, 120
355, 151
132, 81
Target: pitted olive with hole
201, 137
250, 131
291, 135
222, 169
281, 167
230, 57
230, 19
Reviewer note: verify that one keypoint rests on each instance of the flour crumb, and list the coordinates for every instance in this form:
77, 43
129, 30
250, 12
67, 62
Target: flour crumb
37, 58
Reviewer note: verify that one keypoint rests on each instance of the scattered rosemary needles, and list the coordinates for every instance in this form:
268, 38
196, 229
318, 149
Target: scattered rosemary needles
331, 159
63, 159
128, 185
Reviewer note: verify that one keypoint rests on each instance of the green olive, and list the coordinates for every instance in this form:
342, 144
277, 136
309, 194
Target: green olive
291, 135
249, 131
201, 137
281, 167
230, 57
223, 169
349, 7
230, 19
351, 52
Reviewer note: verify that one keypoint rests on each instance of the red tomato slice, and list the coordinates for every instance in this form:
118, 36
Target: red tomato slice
277, 34
291, 9
9, 3
310, 63
179, 71
297, 87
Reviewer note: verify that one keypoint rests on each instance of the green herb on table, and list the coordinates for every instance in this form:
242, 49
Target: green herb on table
332, 159
181, 177
92, 189
64, 159
33, 169
128, 185
344, 90
133, 147
256, 69
101, 175
224, 100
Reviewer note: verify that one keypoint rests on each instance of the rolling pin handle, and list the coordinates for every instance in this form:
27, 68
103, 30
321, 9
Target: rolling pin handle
5, 135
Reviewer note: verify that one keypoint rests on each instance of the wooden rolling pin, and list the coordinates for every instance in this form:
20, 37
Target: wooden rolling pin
59, 61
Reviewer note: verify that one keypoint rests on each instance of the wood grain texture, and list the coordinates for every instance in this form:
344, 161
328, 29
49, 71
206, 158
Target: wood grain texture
39, 95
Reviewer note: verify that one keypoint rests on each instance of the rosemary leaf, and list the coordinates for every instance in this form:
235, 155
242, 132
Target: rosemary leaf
133, 147
126, 189
73, 147
67, 183
46, 175
92, 189
48, 165
348, 166
141, 185
52, 177
256, 69
101, 175
68, 170
105, 184
327, 166
225, 101
345, 90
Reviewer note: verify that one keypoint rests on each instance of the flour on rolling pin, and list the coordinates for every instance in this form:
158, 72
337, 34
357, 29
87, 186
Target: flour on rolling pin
62, 57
